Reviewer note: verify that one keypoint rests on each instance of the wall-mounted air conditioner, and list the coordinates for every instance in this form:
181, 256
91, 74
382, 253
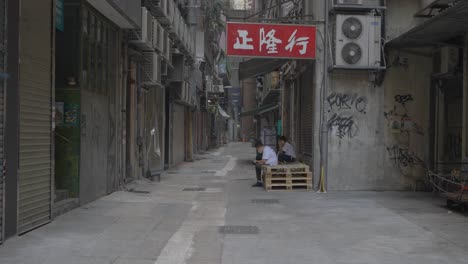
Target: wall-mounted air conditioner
218, 88
170, 8
151, 69
358, 4
161, 11
168, 49
209, 83
446, 60
156, 36
174, 23
358, 41
159, 45
164, 69
143, 38
349, 2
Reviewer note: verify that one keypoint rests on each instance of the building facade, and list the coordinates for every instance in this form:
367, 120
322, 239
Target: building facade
375, 109
99, 93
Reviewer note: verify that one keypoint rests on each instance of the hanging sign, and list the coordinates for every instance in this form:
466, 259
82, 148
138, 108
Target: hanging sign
271, 40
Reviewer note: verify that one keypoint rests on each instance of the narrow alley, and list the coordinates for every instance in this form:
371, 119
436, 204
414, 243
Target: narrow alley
207, 212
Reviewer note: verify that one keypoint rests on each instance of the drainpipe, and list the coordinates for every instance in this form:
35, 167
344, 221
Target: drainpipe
324, 137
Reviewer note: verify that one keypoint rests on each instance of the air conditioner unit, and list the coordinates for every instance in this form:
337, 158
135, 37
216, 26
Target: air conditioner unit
358, 41
349, 2
219, 88
186, 90
209, 83
161, 12
168, 49
156, 36
143, 38
160, 39
182, 92
447, 59
151, 69
164, 69
359, 4
175, 24
170, 8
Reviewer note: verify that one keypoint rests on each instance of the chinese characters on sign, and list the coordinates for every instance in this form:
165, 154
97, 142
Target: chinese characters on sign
271, 40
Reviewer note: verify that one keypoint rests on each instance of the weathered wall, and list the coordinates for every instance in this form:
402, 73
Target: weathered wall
377, 134
406, 120
355, 132
406, 105
178, 134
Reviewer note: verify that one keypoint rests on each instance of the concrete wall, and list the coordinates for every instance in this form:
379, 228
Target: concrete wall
355, 132
365, 150
406, 122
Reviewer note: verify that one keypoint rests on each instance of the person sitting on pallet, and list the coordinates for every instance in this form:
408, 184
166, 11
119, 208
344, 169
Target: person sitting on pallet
265, 156
287, 152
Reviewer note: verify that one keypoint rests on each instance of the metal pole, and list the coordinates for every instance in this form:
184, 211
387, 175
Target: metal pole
324, 137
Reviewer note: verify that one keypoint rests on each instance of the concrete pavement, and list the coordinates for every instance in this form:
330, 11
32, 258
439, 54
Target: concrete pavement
178, 221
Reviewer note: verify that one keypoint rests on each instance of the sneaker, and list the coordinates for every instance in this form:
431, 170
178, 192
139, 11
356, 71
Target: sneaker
258, 184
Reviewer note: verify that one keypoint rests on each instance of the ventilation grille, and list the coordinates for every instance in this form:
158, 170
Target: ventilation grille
351, 53
352, 28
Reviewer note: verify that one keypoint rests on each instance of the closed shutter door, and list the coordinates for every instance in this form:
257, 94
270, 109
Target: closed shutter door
178, 134
2, 105
34, 197
307, 114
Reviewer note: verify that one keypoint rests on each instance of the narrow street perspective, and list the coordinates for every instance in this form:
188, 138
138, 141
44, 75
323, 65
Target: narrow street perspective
206, 212
233, 131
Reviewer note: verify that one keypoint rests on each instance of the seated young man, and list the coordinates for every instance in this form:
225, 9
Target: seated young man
265, 156
287, 152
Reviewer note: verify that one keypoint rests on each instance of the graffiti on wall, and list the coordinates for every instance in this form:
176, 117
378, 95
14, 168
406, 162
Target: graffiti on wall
399, 119
342, 108
403, 157
403, 128
403, 99
340, 101
345, 126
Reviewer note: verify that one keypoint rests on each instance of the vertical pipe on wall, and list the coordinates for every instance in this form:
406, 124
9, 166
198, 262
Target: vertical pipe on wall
465, 100
324, 128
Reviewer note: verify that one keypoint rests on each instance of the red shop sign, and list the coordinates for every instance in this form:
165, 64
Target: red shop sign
271, 40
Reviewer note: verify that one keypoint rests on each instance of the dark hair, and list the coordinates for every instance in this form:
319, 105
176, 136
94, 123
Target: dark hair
258, 144
283, 138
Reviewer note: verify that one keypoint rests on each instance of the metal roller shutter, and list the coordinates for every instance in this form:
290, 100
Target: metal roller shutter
178, 134
2, 105
306, 114
34, 186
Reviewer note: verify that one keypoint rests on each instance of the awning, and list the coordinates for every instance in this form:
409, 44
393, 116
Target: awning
254, 67
223, 113
260, 110
451, 23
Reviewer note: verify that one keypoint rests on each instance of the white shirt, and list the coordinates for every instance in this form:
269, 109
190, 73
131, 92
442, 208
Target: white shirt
289, 150
270, 156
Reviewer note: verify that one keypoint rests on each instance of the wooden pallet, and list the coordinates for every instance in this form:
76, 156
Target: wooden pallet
288, 183
286, 168
288, 187
288, 175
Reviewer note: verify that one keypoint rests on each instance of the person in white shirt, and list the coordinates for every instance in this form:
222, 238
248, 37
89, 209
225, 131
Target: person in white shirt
265, 156
287, 152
